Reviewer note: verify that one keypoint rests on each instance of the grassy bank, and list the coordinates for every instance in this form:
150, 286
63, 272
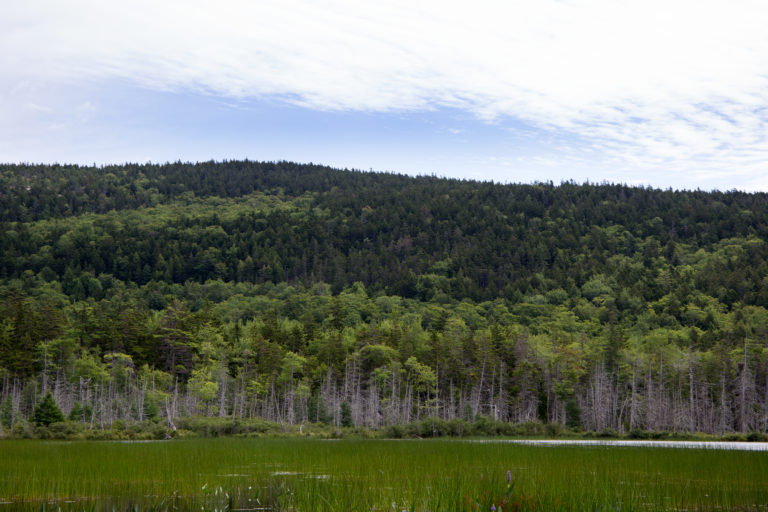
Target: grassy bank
422, 429
375, 475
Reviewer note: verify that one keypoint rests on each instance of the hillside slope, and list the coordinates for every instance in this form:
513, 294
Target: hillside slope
291, 292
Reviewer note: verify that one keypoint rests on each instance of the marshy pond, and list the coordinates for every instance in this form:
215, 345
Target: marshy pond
375, 475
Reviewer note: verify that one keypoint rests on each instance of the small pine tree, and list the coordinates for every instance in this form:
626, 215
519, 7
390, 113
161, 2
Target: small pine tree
572, 414
150, 407
469, 414
76, 414
6, 413
47, 412
318, 412
346, 415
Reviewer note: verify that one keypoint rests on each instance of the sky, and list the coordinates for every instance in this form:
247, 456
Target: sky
660, 93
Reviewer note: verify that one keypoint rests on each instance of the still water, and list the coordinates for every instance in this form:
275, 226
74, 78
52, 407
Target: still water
713, 445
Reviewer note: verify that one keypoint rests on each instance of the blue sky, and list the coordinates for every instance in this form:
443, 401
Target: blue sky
669, 95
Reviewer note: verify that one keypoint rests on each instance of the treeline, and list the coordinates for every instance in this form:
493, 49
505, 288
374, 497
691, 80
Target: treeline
413, 237
304, 294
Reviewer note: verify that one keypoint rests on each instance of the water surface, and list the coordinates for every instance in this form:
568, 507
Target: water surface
713, 445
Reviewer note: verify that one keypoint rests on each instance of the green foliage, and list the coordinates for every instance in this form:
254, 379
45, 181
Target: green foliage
263, 286
318, 412
433, 238
76, 413
66, 429
47, 412
346, 415
572, 414
80, 412
151, 410
218, 427
23, 429
6, 413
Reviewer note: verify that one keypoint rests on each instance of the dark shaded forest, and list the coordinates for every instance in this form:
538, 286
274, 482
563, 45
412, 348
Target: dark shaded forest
300, 293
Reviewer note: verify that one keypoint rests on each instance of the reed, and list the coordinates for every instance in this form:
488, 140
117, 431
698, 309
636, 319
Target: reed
374, 475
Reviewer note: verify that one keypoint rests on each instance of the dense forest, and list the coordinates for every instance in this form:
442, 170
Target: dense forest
300, 293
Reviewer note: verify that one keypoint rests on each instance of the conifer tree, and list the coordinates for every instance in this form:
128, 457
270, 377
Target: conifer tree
47, 412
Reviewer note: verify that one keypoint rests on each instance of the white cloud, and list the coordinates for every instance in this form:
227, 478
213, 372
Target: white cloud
681, 85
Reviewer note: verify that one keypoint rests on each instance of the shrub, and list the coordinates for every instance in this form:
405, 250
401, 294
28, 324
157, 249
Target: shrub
529, 428
458, 427
432, 427
553, 429
485, 426
65, 429
216, 427
411, 430
23, 429
607, 433
99, 435
158, 431
637, 433
394, 432
42, 432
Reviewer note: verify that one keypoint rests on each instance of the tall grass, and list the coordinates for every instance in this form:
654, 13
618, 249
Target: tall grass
312, 475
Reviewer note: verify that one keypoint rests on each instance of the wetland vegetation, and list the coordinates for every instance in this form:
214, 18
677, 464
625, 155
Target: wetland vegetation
369, 475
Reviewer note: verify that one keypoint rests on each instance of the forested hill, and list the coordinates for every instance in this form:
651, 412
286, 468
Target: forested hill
412, 237
288, 291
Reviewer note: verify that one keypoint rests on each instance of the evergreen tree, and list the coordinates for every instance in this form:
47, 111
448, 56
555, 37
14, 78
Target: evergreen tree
346, 415
76, 414
150, 407
572, 414
47, 412
6, 413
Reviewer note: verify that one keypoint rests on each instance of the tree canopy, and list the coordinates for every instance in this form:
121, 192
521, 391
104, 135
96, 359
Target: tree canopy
297, 292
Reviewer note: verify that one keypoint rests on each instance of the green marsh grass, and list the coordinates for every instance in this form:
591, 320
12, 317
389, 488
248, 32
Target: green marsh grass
374, 475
